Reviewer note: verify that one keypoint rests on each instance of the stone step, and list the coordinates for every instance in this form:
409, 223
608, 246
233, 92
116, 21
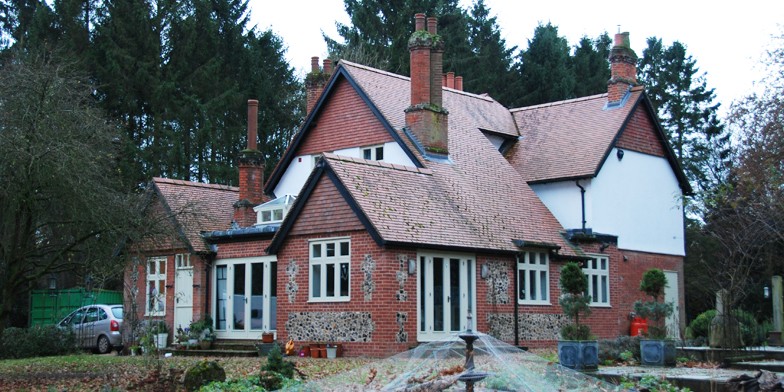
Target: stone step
771, 366
211, 352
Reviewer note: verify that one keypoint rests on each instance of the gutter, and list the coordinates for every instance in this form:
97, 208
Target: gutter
235, 234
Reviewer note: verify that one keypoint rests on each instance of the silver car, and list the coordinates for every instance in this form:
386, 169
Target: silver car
96, 327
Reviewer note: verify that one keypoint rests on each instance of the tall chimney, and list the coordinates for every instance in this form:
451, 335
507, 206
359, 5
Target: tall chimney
251, 168
459, 83
316, 80
426, 119
623, 68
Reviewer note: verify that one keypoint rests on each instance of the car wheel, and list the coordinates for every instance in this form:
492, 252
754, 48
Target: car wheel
103, 345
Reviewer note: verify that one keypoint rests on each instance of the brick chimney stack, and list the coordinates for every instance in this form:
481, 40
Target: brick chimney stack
316, 80
426, 118
623, 68
251, 167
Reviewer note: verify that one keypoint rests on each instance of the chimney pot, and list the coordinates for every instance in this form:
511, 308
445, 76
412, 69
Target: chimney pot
432, 25
459, 83
419, 21
253, 116
314, 64
327, 66
450, 79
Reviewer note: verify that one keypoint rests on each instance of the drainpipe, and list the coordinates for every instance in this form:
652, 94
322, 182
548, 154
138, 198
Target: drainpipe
582, 201
516, 304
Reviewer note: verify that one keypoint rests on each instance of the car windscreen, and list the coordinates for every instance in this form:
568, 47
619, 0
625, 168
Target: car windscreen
117, 312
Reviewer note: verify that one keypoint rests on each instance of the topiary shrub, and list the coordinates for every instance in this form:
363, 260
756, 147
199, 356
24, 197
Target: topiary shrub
653, 283
275, 363
750, 330
37, 341
574, 302
203, 373
700, 326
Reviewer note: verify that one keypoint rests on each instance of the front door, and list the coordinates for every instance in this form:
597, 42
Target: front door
671, 295
245, 297
183, 291
445, 287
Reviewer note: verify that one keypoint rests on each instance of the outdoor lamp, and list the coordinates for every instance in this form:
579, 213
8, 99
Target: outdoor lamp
766, 292
485, 271
411, 266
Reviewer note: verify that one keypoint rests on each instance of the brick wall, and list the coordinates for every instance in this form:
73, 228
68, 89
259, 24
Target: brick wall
343, 108
639, 135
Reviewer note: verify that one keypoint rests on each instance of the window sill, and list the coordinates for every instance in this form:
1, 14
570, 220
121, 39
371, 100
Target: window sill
608, 306
155, 314
327, 300
537, 303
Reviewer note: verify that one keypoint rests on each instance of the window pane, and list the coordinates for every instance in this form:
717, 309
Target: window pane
521, 284
604, 264
330, 280
344, 279
532, 285
543, 285
239, 296
316, 281
151, 268
277, 215
366, 154
454, 294
316, 250
330, 249
379, 153
220, 292
422, 294
542, 259
438, 294
595, 287
344, 248
604, 289
266, 216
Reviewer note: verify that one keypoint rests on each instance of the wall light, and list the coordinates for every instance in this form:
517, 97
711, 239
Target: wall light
411, 267
485, 271
766, 292
620, 154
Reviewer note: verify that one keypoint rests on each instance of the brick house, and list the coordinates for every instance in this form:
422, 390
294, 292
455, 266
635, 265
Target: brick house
404, 204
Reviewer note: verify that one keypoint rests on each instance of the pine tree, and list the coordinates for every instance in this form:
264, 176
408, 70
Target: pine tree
544, 68
687, 111
590, 66
490, 67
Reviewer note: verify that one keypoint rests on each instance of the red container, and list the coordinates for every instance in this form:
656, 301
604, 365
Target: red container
639, 327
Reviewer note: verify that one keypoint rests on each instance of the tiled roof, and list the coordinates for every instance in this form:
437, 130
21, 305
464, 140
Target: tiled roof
475, 201
567, 139
197, 207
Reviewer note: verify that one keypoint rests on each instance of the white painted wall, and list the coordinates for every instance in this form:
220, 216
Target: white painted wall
637, 198
300, 167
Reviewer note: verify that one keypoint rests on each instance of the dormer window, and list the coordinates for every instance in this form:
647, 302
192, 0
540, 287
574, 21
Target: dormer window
373, 153
274, 211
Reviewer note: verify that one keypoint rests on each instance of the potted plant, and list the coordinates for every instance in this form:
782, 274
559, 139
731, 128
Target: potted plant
267, 337
332, 351
655, 348
577, 349
161, 332
202, 332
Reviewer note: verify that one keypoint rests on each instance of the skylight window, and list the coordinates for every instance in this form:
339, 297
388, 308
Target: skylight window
274, 211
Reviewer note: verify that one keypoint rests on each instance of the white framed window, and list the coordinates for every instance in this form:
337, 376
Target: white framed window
330, 270
533, 278
597, 269
156, 286
373, 153
182, 260
273, 211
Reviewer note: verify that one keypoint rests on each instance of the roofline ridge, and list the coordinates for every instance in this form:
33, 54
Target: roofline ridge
386, 165
557, 103
408, 79
196, 184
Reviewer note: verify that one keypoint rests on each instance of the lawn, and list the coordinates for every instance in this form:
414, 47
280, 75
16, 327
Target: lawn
88, 372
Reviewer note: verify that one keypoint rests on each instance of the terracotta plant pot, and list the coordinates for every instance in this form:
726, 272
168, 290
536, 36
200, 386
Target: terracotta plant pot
314, 351
305, 351
267, 337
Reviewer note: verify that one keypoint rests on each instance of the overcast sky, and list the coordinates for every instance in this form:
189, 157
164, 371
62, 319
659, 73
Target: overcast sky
726, 38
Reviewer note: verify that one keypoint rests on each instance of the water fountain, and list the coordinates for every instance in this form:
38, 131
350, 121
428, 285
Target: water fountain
466, 361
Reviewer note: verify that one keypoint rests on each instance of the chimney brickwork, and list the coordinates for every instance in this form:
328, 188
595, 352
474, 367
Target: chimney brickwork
426, 118
623, 68
251, 168
316, 80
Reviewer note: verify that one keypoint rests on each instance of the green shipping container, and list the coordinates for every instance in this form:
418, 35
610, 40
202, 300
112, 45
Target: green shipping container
49, 307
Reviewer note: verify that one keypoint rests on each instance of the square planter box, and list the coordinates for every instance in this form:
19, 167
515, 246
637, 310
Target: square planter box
654, 352
579, 354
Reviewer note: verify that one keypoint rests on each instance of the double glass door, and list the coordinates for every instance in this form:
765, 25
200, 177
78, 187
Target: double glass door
245, 297
445, 295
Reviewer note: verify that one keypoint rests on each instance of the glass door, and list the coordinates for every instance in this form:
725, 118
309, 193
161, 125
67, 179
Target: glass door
245, 297
445, 295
